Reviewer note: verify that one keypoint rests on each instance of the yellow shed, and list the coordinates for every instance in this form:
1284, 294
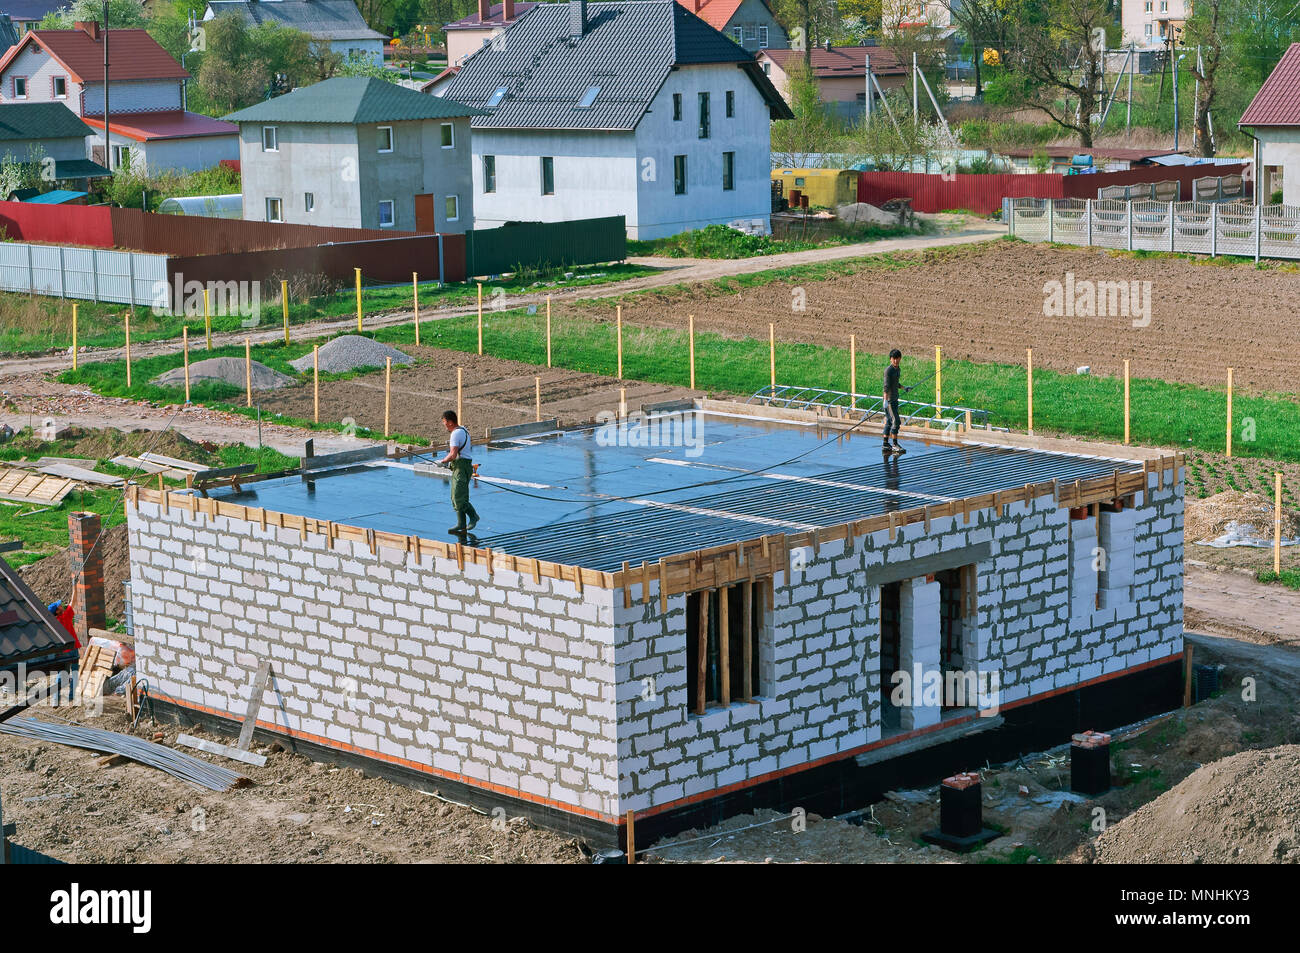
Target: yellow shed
825, 188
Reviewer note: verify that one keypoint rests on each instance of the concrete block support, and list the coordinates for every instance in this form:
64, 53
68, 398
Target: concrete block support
919, 648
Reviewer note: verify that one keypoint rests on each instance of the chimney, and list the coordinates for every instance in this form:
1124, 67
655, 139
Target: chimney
698, 4
577, 18
484, 11
89, 27
88, 584
507, 11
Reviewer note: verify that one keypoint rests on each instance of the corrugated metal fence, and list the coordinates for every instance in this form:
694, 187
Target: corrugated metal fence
491, 251
93, 274
1206, 228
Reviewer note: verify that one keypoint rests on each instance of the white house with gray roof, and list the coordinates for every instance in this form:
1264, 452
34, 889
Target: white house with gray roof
638, 109
336, 22
357, 152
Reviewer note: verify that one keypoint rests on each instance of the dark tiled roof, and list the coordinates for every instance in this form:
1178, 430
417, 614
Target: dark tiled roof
40, 121
627, 50
324, 19
353, 100
27, 629
1278, 101
8, 32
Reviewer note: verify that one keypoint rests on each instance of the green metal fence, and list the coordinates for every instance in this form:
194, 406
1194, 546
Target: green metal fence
491, 251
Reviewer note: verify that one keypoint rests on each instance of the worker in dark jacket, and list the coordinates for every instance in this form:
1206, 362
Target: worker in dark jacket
892, 419
462, 471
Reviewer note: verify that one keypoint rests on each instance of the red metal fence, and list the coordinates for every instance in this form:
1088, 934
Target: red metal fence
64, 224
983, 194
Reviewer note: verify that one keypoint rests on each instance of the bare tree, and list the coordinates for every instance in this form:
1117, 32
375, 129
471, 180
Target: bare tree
1061, 55
1207, 30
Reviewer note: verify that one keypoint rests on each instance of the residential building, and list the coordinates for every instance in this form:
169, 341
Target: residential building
750, 23
841, 74
358, 152
637, 109
490, 19
50, 136
912, 14
1273, 118
148, 124
337, 22
25, 14
1149, 23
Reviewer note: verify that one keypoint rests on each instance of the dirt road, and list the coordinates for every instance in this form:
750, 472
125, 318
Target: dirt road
1230, 603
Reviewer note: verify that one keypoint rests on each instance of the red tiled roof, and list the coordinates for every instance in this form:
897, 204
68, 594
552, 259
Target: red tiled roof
716, 13
1278, 101
446, 74
842, 60
146, 127
472, 22
132, 54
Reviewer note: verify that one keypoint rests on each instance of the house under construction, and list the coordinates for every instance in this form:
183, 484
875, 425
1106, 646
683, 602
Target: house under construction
704, 611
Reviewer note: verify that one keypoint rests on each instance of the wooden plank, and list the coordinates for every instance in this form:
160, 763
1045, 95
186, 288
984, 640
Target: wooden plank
81, 474
222, 472
627, 585
212, 747
343, 457
260, 682
724, 644
747, 639
166, 461
702, 653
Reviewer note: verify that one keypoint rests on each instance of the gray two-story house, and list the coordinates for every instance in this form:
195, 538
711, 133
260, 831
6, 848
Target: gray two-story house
358, 152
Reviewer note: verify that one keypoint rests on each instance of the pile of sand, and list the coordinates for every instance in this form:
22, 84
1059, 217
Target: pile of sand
1244, 809
227, 370
1211, 517
349, 353
862, 213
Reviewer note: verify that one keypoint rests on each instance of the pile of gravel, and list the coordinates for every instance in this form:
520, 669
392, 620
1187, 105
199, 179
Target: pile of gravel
350, 352
228, 370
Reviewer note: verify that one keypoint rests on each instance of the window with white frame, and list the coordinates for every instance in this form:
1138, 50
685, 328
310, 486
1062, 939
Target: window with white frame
548, 175
20, 87
489, 173
121, 157
1148, 30
452, 208
309, 201
762, 38
385, 138
270, 139
386, 218
274, 209
60, 84
448, 136
738, 33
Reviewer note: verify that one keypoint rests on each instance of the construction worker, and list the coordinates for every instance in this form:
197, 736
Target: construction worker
462, 471
892, 419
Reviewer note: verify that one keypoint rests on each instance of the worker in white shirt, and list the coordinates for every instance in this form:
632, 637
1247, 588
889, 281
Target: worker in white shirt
462, 471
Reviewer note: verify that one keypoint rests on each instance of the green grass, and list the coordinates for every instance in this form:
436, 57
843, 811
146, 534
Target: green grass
36, 323
720, 241
1288, 577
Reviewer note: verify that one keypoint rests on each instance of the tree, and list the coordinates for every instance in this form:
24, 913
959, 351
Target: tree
242, 65
1061, 55
358, 64
813, 128
1206, 30
122, 15
812, 22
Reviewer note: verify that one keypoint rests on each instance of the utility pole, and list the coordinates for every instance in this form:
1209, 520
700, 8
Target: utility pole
915, 89
867, 118
1128, 108
108, 146
1176, 59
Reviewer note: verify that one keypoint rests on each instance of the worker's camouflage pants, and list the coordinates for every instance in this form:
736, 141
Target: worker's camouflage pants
462, 471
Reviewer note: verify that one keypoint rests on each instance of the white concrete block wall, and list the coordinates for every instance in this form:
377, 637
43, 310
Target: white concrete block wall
506, 681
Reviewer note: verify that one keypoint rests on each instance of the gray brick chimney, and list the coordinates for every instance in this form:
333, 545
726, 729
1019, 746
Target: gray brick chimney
577, 18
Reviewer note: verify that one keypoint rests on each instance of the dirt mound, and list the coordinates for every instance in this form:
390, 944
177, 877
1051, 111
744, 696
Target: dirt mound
1244, 809
108, 443
51, 577
349, 353
1210, 518
226, 370
863, 213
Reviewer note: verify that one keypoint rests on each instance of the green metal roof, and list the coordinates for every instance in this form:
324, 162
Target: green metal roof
354, 100
40, 121
79, 169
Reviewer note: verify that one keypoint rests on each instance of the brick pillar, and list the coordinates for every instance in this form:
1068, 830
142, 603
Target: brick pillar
919, 648
88, 590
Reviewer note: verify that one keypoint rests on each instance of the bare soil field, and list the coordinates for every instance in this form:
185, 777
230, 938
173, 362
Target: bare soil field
985, 303
497, 393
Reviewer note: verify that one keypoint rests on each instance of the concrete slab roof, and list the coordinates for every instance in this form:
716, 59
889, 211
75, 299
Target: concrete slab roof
599, 497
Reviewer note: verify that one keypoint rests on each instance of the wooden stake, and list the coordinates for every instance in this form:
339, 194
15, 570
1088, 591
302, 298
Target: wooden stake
185, 349
1187, 676
74, 335
358, 275
690, 333
1277, 524
1126, 403
771, 354
1029, 357
968, 423
724, 646
853, 368
702, 653
480, 317
460, 385
1229, 431
415, 304
388, 391
622, 403
548, 330
284, 301
747, 639
128, 351
315, 374
938, 380
631, 837
248, 372
207, 320
619, 309
537, 382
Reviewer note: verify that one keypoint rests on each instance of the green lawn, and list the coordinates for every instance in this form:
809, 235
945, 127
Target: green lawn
720, 241
36, 323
